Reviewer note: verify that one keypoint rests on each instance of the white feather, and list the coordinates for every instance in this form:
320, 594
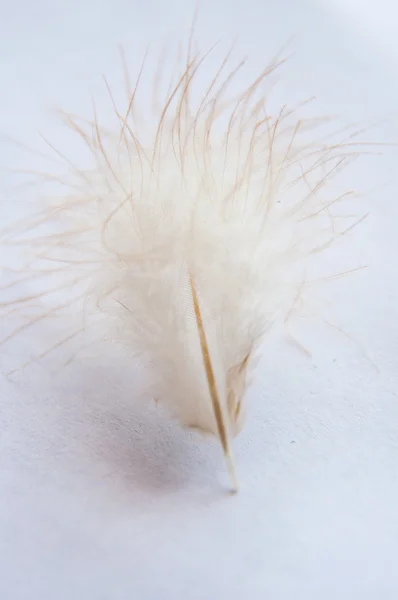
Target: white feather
191, 234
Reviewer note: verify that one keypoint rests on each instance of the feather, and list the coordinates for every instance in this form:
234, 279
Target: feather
191, 232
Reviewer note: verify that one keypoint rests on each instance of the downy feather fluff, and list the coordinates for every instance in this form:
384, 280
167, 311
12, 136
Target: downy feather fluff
191, 231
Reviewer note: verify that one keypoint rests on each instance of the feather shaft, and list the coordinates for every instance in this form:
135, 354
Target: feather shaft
211, 380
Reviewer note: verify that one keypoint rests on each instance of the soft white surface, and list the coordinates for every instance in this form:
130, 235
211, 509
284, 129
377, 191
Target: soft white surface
100, 499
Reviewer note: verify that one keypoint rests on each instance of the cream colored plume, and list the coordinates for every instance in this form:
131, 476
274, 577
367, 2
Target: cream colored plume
191, 230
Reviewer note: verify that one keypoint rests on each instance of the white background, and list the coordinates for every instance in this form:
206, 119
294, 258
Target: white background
101, 499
